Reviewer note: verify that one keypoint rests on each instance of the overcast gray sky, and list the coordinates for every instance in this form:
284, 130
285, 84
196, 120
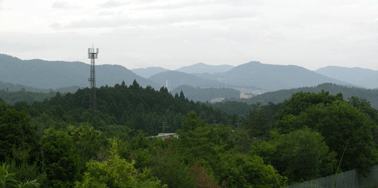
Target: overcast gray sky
176, 33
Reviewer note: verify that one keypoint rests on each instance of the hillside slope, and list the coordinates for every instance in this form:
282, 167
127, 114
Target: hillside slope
201, 68
271, 77
281, 95
176, 79
358, 76
206, 94
56, 74
149, 71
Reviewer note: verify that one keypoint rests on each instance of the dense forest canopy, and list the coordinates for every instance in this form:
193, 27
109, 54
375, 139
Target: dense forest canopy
59, 142
133, 106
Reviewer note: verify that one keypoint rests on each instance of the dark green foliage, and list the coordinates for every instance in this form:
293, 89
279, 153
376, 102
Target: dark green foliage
17, 131
242, 109
300, 155
61, 162
7, 179
19, 165
300, 101
170, 169
258, 123
212, 148
87, 142
244, 171
339, 123
136, 107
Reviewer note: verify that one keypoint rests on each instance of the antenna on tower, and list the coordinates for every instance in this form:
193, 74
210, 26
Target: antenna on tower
215, 123
163, 127
92, 96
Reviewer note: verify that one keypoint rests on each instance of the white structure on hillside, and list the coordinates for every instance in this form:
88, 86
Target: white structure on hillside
165, 135
244, 96
215, 100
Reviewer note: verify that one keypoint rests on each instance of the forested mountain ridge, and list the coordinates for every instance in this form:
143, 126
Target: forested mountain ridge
136, 107
271, 77
366, 78
206, 94
201, 68
176, 79
59, 142
9, 87
279, 96
56, 74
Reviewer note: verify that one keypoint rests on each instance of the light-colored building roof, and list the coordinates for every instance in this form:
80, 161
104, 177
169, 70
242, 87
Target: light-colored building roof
165, 135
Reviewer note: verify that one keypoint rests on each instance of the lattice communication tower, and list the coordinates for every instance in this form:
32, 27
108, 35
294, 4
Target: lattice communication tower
92, 96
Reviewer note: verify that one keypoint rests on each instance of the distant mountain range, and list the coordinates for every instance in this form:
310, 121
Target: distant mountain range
176, 79
205, 94
253, 75
271, 77
201, 68
148, 72
56, 74
358, 76
198, 68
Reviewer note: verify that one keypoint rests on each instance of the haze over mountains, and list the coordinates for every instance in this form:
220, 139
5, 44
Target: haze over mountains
175, 79
357, 76
149, 71
279, 96
253, 75
57, 74
201, 68
198, 68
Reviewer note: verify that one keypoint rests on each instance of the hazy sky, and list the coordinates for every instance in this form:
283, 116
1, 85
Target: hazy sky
176, 33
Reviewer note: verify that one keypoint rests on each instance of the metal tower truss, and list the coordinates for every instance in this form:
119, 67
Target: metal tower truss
92, 96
